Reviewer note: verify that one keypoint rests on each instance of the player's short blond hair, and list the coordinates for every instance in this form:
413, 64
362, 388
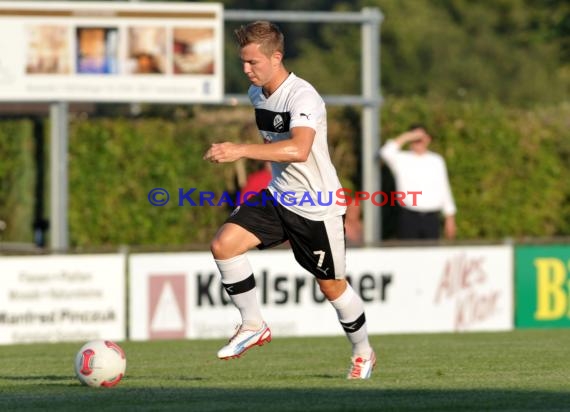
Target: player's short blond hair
266, 34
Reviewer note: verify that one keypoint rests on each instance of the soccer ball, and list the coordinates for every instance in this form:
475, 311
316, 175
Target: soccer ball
100, 363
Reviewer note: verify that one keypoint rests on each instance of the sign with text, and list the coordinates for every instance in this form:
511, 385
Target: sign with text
542, 282
111, 52
405, 290
62, 298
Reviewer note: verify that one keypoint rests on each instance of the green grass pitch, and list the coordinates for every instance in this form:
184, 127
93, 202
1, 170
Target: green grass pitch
526, 370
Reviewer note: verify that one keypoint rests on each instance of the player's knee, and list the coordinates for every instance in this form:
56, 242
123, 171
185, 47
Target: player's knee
218, 247
333, 288
231, 241
225, 247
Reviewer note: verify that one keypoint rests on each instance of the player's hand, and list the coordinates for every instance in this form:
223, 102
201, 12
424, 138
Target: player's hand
223, 153
449, 228
411, 136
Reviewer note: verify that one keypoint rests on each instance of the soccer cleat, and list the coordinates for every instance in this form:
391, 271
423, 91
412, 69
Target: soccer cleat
243, 340
361, 368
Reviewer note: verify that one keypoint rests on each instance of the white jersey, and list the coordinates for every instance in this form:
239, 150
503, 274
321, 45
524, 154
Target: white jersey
307, 188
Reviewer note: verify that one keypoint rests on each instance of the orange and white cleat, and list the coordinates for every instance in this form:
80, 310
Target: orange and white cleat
244, 339
361, 368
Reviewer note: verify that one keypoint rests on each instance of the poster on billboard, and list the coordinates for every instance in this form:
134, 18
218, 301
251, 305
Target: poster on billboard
542, 284
405, 290
111, 52
60, 298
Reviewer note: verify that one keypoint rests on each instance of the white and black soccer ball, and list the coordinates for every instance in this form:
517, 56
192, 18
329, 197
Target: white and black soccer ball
100, 363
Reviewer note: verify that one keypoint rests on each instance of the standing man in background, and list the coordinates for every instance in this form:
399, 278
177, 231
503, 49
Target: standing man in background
292, 119
420, 169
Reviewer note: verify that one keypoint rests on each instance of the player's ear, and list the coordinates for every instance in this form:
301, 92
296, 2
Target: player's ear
277, 58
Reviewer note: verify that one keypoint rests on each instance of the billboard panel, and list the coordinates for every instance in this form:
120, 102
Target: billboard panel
62, 298
542, 282
404, 290
111, 52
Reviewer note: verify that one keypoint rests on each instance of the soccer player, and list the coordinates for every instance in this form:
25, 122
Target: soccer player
291, 117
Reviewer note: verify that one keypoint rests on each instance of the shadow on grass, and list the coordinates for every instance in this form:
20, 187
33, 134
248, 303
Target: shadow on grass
352, 398
51, 378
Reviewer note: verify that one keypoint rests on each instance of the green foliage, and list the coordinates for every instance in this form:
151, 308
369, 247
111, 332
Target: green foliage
339, 56
113, 166
515, 52
16, 180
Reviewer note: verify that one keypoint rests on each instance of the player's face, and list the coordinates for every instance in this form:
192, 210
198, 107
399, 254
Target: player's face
258, 67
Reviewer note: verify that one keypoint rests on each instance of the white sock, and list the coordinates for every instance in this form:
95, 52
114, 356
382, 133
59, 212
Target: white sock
239, 282
350, 311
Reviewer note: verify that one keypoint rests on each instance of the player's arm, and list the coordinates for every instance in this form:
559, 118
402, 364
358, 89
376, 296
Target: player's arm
294, 149
410, 136
392, 147
449, 208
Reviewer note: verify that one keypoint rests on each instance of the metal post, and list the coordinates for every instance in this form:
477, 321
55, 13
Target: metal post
40, 224
59, 235
370, 122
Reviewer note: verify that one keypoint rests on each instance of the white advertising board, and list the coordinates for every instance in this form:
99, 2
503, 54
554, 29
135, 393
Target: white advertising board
111, 52
62, 298
405, 290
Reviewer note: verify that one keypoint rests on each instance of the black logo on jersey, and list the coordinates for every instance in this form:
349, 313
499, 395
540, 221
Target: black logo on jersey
268, 121
278, 123
306, 115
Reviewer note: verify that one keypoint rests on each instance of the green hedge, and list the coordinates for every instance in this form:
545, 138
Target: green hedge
17, 177
113, 166
509, 170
